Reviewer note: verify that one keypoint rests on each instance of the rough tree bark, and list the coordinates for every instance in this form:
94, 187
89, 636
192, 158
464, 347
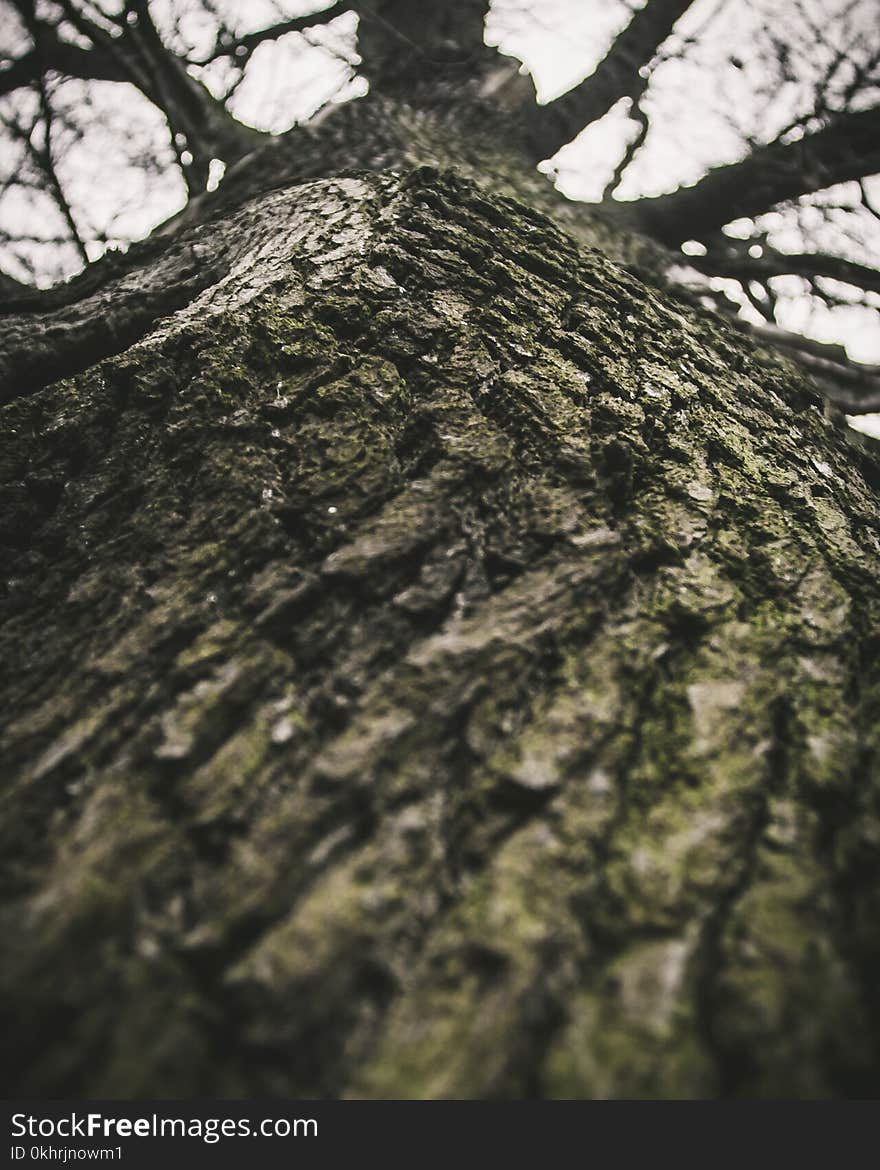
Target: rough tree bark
437, 664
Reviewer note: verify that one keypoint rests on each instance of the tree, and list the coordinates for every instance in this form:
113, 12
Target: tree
440, 661
784, 226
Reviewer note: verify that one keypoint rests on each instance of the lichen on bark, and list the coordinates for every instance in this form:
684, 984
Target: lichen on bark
438, 664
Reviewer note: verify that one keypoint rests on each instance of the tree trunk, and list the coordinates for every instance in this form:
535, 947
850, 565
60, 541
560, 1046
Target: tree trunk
437, 664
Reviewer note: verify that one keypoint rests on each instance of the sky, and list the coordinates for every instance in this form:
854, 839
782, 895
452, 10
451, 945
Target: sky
717, 86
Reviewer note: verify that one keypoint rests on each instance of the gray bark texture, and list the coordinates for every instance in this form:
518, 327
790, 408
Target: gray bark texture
436, 664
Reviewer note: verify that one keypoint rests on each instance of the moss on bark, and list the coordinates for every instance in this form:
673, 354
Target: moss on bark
437, 665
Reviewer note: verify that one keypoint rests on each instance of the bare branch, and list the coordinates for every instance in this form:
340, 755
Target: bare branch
241, 47
847, 147
772, 263
51, 52
851, 386
620, 74
638, 115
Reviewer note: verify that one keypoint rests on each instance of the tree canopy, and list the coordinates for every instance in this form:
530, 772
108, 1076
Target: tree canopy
745, 137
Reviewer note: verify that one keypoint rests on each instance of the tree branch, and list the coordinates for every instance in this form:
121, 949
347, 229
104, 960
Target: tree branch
617, 76
851, 386
773, 263
637, 115
51, 52
241, 47
42, 160
848, 147
60, 57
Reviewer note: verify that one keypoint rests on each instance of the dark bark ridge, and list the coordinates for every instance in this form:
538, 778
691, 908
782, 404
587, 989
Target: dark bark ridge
436, 665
